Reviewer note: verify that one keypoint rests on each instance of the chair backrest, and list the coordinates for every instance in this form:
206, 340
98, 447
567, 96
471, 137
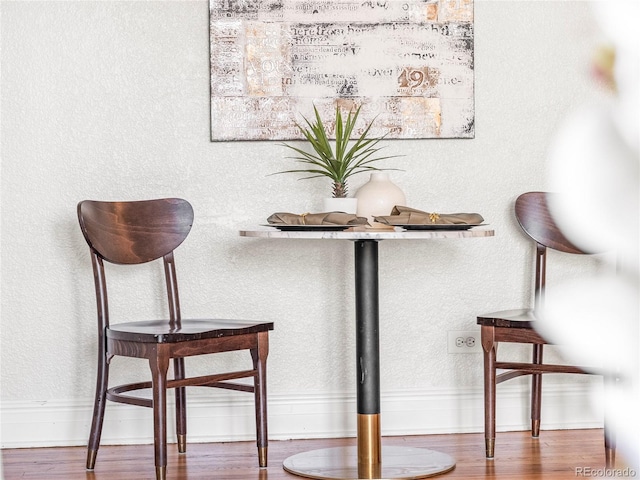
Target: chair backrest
532, 212
133, 233
533, 215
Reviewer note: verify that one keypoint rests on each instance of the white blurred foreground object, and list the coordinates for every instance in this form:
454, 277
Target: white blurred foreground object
595, 165
595, 320
597, 173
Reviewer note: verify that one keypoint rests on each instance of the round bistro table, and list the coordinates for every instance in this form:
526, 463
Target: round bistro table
368, 460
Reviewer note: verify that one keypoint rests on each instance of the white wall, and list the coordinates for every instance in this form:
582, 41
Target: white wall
109, 100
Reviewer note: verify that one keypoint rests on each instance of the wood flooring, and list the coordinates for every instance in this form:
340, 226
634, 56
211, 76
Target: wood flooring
561, 454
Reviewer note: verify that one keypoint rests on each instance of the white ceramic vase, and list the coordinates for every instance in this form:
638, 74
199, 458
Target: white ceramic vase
378, 196
346, 205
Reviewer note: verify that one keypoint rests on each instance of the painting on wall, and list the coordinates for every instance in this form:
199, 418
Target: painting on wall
409, 63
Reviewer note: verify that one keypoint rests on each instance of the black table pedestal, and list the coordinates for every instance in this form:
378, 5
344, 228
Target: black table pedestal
369, 460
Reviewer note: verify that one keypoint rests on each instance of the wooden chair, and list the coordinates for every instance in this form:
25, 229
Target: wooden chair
134, 233
517, 326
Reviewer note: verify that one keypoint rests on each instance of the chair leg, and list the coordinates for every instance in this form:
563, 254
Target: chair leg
489, 348
181, 405
159, 365
98, 410
259, 356
536, 393
609, 451
609, 435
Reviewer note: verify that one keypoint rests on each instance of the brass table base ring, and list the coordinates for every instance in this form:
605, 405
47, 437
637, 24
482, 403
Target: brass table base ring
341, 463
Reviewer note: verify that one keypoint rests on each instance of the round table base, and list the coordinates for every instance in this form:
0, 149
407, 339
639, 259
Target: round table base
397, 463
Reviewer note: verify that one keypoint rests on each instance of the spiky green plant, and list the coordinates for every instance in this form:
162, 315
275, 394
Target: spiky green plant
342, 162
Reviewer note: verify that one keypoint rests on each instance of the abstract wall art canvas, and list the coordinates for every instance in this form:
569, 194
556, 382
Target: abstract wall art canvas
409, 63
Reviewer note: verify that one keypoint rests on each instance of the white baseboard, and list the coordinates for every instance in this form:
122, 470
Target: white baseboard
229, 416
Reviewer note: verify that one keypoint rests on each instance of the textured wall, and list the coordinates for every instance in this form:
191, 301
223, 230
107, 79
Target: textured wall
110, 100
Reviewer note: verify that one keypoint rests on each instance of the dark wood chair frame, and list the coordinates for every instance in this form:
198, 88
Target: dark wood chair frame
517, 326
134, 233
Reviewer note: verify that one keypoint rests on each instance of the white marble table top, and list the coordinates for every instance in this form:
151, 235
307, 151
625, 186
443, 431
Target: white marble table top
367, 234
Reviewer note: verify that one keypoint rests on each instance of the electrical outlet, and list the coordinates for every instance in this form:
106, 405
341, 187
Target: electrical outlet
463, 341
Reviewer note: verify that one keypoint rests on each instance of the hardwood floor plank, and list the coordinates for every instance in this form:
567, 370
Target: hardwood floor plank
555, 455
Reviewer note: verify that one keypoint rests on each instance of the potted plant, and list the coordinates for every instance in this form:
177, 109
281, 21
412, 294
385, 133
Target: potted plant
345, 159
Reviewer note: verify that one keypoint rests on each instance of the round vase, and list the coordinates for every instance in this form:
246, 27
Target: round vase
346, 205
378, 196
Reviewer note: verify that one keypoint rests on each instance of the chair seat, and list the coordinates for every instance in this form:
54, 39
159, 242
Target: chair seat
158, 331
520, 318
